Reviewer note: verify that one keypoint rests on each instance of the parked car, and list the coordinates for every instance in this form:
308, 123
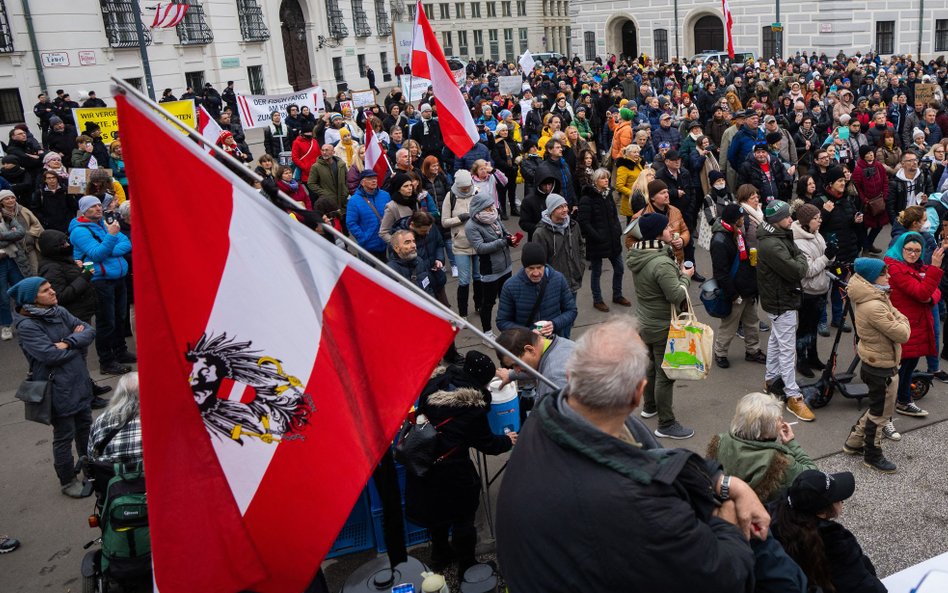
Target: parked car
722, 57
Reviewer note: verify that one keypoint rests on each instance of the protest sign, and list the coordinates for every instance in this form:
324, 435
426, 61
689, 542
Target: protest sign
924, 93
418, 85
526, 106
510, 85
343, 105
363, 98
107, 120
79, 178
255, 110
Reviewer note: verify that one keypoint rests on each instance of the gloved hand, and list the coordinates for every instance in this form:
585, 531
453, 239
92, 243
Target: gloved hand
831, 250
464, 217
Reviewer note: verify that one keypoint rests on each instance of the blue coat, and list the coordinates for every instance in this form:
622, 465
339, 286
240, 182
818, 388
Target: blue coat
742, 145
92, 242
363, 223
478, 151
72, 391
519, 295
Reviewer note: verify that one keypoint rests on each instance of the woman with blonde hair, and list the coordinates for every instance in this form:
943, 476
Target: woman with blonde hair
629, 168
638, 197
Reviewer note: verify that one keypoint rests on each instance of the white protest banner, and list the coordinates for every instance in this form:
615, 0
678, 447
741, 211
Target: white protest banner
509, 85
418, 85
344, 105
403, 38
255, 110
527, 62
363, 98
526, 106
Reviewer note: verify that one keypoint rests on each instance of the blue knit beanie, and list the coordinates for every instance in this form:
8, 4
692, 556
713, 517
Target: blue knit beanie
869, 268
24, 292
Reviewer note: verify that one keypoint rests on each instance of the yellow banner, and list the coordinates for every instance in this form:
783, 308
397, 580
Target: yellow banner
107, 118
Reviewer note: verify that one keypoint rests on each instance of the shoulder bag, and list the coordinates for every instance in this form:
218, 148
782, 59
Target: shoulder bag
417, 446
37, 398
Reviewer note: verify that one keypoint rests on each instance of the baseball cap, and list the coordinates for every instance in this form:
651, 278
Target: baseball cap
813, 490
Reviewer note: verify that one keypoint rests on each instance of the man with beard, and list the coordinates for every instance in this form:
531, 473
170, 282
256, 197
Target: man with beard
560, 236
403, 258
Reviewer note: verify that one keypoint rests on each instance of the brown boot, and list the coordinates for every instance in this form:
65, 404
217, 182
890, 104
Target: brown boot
601, 307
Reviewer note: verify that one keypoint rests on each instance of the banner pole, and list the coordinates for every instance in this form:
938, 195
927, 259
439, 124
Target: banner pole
238, 167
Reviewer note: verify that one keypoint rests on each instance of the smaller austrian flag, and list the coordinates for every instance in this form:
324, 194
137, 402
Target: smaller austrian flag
207, 127
374, 156
168, 15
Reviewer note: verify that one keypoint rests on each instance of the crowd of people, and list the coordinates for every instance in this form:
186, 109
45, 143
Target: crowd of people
782, 171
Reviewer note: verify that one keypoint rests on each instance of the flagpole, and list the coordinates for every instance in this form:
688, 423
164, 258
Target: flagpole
237, 166
142, 49
411, 56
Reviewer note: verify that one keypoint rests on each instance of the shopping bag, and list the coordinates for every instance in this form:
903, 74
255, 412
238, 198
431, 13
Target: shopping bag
689, 348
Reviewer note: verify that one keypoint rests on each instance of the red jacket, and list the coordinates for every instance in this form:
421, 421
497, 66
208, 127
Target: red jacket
869, 186
913, 293
305, 153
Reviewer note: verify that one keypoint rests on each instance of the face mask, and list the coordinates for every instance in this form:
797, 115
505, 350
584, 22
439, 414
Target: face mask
486, 217
720, 186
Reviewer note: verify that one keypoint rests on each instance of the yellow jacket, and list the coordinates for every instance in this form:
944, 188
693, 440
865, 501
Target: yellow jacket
627, 172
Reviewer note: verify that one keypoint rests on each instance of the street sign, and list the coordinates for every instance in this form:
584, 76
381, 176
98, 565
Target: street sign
776, 27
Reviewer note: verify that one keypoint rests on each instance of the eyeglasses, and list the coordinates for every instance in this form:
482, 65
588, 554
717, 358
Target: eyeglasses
911, 250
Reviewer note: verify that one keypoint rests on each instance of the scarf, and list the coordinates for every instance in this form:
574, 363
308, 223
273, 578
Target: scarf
741, 247
292, 184
485, 217
11, 212
349, 152
36, 311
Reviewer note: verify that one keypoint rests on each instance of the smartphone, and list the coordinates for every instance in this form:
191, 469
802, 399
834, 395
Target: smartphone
109, 217
404, 588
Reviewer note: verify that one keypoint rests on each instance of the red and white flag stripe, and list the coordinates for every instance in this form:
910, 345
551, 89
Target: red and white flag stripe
168, 15
208, 128
728, 25
261, 505
427, 61
375, 158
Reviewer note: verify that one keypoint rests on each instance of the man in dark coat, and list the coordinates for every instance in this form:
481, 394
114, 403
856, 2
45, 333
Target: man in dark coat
842, 222
93, 101
587, 482
427, 133
765, 172
519, 306
54, 343
61, 137
555, 165
99, 150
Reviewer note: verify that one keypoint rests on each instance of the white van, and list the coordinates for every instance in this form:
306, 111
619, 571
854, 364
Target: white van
544, 57
722, 57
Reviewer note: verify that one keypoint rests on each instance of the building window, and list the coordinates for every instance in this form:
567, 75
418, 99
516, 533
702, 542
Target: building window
193, 30
337, 71
768, 43
6, 37
462, 43
411, 12
255, 76
381, 19
661, 45
252, 27
447, 42
383, 58
589, 45
337, 28
505, 8
508, 45
361, 59
565, 8
475, 10
445, 10
136, 82
11, 107
478, 42
194, 80
119, 22
524, 39
521, 7
569, 41
459, 10
941, 35
360, 20
491, 10
885, 37
544, 8
429, 10
494, 44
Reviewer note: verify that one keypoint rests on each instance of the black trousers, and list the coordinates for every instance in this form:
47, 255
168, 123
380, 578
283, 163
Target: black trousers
491, 292
66, 430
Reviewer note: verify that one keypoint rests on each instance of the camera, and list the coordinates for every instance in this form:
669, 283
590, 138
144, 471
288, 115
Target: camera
109, 217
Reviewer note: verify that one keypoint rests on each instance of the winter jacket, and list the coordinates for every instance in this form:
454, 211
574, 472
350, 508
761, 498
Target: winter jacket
519, 295
871, 181
528, 169
882, 329
455, 205
768, 185
305, 151
767, 466
599, 222
839, 226
608, 496
415, 270
682, 182
477, 152
55, 209
723, 254
742, 145
489, 242
450, 491
429, 138
277, 139
72, 390
62, 142
91, 242
622, 136
327, 179
21, 183
900, 188
559, 170
72, 284
781, 267
914, 289
534, 203
18, 239
565, 249
627, 172
813, 247
670, 135
363, 221
659, 283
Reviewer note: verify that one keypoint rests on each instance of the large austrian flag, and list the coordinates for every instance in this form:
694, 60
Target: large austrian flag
274, 372
427, 61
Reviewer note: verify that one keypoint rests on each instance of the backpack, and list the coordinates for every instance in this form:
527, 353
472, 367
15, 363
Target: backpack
126, 545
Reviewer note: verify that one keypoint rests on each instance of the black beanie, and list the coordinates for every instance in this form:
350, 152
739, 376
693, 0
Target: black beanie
479, 367
652, 225
864, 150
732, 212
533, 254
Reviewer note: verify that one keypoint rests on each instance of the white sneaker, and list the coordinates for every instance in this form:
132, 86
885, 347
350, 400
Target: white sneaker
454, 271
490, 334
889, 432
6, 333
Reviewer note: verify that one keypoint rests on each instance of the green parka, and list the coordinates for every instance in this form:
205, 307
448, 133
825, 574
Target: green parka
781, 267
659, 283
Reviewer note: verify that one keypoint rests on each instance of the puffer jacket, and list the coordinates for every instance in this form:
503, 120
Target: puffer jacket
363, 221
519, 296
659, 283
72, 390
813, 247
327, 179
882, 329
781, 267
91, 242
73, 285
839, 226
627, 172
455, 204
565, 249
489, 241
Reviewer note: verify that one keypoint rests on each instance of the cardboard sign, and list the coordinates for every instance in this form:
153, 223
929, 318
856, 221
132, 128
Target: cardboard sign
924, 92
363, 98
510, 85
79, 178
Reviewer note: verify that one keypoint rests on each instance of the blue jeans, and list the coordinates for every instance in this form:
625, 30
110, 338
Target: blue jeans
449, 249
468, 266
596, 271
110, 319
932, 361
9, 275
